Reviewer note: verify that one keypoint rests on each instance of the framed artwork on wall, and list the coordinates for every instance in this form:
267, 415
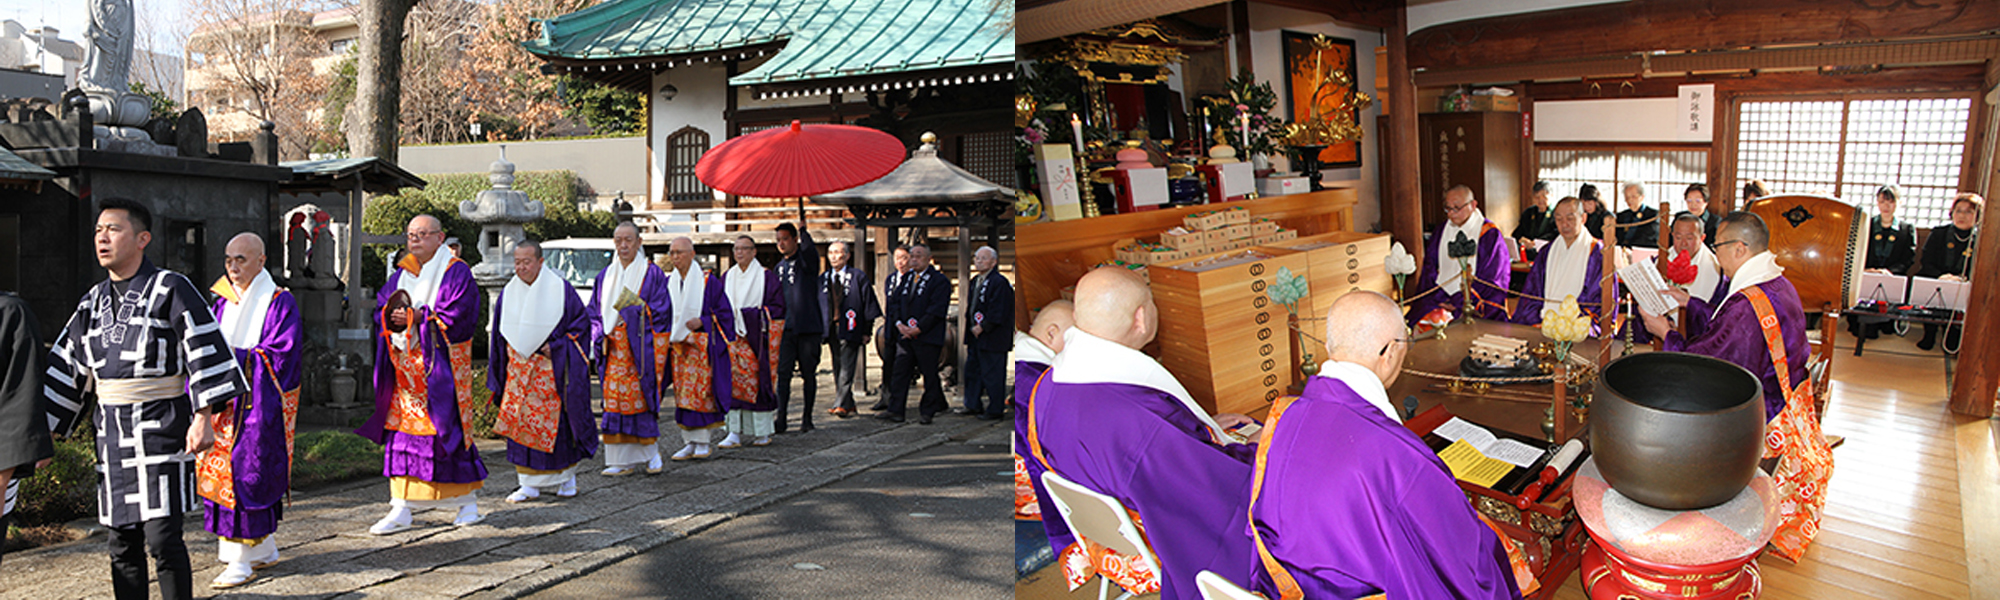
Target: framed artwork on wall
1303, 62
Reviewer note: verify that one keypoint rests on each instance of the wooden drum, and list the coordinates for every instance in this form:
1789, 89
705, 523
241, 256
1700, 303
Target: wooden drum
1822, 244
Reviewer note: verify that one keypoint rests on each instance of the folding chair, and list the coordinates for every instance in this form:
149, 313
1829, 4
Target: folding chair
1214, 587
1101, 519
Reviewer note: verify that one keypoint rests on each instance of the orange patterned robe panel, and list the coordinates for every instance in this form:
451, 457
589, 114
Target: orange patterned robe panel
1085, 559
621, 377
530, 408
1025, 507
216, 475
410, 411
744, 383
1805, 460
694, 381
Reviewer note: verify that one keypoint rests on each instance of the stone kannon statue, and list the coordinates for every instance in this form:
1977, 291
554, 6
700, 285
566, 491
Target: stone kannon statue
500, 212
107, 69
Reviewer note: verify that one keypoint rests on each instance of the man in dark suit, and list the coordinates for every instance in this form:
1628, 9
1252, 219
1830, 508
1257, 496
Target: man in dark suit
892, 293
918, 315
798, 346
850, 302
989, 335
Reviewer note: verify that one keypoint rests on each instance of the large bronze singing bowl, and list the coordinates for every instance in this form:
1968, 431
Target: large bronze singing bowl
1677, 431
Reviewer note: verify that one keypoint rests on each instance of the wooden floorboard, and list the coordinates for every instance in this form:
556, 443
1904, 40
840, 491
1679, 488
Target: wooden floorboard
1896, 521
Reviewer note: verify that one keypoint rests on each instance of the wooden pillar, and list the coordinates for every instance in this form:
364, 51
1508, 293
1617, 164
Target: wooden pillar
1401, 200
1978, 372
1239, 31
964, 274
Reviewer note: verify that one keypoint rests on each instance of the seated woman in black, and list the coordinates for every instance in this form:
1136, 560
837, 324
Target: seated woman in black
1948, 256
1594, 213
1892, 248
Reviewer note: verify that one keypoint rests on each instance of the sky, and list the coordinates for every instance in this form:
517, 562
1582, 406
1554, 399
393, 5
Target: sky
69, 17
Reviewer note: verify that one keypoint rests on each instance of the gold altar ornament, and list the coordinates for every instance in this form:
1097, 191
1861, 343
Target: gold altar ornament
1323, 127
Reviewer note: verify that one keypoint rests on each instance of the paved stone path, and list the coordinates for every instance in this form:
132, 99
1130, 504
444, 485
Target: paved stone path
520, 548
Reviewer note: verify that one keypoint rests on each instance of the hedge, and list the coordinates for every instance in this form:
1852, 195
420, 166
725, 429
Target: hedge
558, 192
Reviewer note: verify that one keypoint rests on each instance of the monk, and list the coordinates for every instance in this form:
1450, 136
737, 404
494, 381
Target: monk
703, 325
759, 300
245, 476
1331, 522
1034, 349
423, 382
1569, 266
631, 314
539, 375
1113, 420
1490, 266
1758, 324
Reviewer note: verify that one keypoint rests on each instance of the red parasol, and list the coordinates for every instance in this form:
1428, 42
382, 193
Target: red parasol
799, 161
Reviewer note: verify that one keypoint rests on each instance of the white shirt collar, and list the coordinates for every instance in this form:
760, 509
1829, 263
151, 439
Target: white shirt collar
243, 323
531, 311
1029, 349
1363, 382
1088, 359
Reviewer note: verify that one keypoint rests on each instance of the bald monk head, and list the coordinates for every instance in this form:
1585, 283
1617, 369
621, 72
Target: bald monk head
1051, 322
681, 252
1115, 304
244, 259
1366, 328
423, 237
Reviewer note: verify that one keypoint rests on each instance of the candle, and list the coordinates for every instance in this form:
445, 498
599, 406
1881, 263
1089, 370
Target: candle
1244, 119
1076, 128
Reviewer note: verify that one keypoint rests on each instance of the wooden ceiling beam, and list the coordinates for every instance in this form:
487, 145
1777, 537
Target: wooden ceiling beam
1640, 26
1954, 78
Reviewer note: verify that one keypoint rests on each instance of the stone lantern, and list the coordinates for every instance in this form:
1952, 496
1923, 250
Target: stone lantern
500, 213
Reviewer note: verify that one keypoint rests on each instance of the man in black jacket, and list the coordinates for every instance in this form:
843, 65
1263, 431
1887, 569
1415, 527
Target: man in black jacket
24, 430
989, 334
798, 346
917, 315
850, 302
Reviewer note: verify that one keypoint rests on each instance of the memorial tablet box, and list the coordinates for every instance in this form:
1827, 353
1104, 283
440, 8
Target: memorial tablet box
1338, 263
1220, 334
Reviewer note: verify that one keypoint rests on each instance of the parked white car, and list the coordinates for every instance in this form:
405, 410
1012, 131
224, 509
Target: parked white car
579, 260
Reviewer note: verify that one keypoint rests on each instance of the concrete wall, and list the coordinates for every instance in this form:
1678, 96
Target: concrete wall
15, 83
701, 103
606, 164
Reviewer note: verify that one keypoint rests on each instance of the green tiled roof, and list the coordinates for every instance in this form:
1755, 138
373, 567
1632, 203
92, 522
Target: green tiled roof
12, 166
648, 28
823, 38
847, 38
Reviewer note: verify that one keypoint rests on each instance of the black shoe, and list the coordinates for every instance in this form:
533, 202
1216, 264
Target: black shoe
991, 416
924, 420
778, 429
890, 417
879, 407
1929, 341
1874, 332
805, 427
962, 411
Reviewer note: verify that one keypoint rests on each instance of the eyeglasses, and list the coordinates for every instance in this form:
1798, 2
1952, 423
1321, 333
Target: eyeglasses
418, 234
1392, 344
1457, 207
1719, 245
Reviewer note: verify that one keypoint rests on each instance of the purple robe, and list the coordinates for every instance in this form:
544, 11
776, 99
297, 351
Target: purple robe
1494, 265
757, 331
719, 320
1027, 372
576, 431
444, 457
1528, 311
261, 460
639, 339
1733, 335
1142, 447
1347, 524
